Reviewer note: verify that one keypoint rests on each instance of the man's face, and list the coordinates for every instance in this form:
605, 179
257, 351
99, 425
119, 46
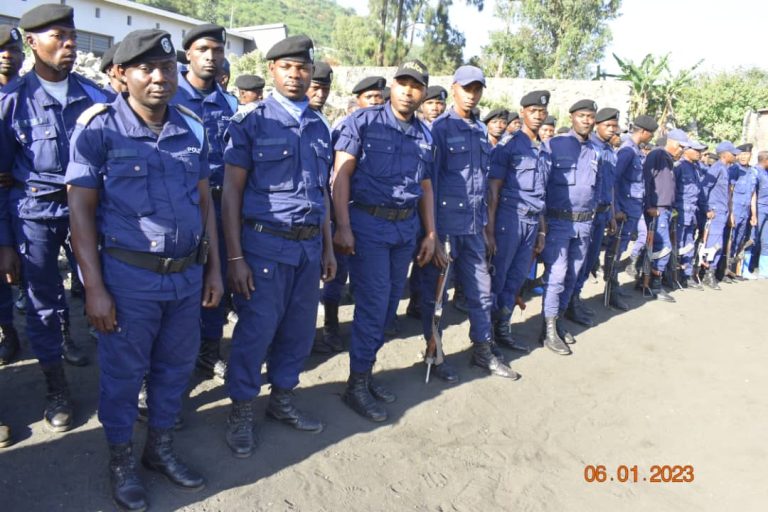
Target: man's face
151, 84
206, 57
114, 80
466, 97
56, 47
223, 79
744, 157
432, 109
674, 148
546, 132
532, 116
292, 78
250, 96
514, 125
582, 122
370, 98
11, 59
607, 129
406, 95
318, 95
496, 127
645, 136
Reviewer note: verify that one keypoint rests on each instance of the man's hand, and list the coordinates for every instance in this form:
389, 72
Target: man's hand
328, 271
10, 267
753, 221
240, 278
490, 242
612, 227
652, 212
620, 216
731, 221
100, 309
541, 239
213, 289
427, 249
344, 240
710, 214
440, 259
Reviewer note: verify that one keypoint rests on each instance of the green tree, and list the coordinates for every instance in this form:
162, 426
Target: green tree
443, 44
251, 63
549, 38
354, 40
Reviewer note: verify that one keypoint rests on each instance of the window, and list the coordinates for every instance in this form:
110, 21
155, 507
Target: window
183, 33
129, 20
94, 43
98, 12
157, 25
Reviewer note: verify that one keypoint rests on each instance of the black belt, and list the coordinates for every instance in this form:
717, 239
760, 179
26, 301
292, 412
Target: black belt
149, 261
603, 208
391, 214
58, 196
296, 233
216, 192
528, 213
571, 216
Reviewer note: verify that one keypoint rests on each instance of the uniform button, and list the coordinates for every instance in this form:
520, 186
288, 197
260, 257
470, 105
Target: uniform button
119, 329
47, 132
451, 148
33, 189
266, 270
153, 243
261, 155
137, 168
444, 203
461, 204
285, 152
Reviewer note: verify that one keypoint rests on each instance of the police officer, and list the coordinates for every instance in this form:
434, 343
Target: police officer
514, 123
606, 126
691, 206
115, 86
462, 160
547, 130
224, 74
278, 238
199, 92
368, 91
250, 88
320, 88
516, 226
716, 186
660, 198
761, 237
383, 165
571, 199
11, 54
496, 123
433, 105
744, 199
143, 166
37, 115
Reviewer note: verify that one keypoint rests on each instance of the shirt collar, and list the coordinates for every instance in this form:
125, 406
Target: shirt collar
74, 91
135, 127
295, 108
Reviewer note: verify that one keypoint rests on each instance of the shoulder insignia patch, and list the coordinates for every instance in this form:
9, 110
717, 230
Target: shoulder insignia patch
91, 112
241, 114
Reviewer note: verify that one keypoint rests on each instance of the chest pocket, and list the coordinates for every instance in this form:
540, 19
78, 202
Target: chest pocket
564, 171
458, 155
323, 164
379, 155
525, 172
40, 143
636, 172
274, 168
126, 185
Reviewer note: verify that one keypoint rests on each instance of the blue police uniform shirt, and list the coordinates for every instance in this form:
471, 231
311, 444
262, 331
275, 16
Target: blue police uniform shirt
215, 110
288, 164
391, 162
462, 161
149, 200
762, 186
716, 188
523, 166
574, 176
689, 193
629, 191
744, 181
607, 170
660, 179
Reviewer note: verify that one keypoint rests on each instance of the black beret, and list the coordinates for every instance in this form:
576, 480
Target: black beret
606, 114
435, 92
415, 69
43, 16
386, 93
549, 121
493, 114
297, 48
225, 67
205, 31
513, 116
661, 141
249, 82
583, 105
181, 57
144, 44
747, 148
323, 73
562, 130
535, 98
369, 83
646, 123
9, 35
108, 57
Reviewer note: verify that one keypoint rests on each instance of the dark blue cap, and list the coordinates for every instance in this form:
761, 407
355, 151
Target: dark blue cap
415, 69
727, 146
680, 137
465, 75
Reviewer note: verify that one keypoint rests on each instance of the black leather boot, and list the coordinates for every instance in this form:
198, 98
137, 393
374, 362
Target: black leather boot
577, 314
563, 333
710, 280
281, 408
159, 456
58, 413
502, 332
330, 341
483, 357
414, 307
73, 354
550, 338
379, 391
241, 430
359, 398
9, 344
616, 301
659, 291
209, 360
128, 492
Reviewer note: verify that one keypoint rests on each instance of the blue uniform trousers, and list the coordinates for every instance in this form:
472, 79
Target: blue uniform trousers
564, 254
513, 260
742, 226
593, 252
761, 232
471, 270
377, 270
156, 338
277, 324
39, 244
661, 239
6, 303
686, 243
642, 234
212, 320
716, 237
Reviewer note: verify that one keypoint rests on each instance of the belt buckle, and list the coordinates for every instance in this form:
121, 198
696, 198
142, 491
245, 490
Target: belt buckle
165, 265
391, 215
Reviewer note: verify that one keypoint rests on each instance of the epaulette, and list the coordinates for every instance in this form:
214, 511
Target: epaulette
189, 112
241, 114
91, 112
92, 89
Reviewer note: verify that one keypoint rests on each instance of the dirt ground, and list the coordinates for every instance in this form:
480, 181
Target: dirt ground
675, 384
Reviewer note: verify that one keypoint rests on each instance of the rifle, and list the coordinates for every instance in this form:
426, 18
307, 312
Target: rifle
612, 267
674, 258
702, 254
648, 256
728, 259
434, 353
746, 244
